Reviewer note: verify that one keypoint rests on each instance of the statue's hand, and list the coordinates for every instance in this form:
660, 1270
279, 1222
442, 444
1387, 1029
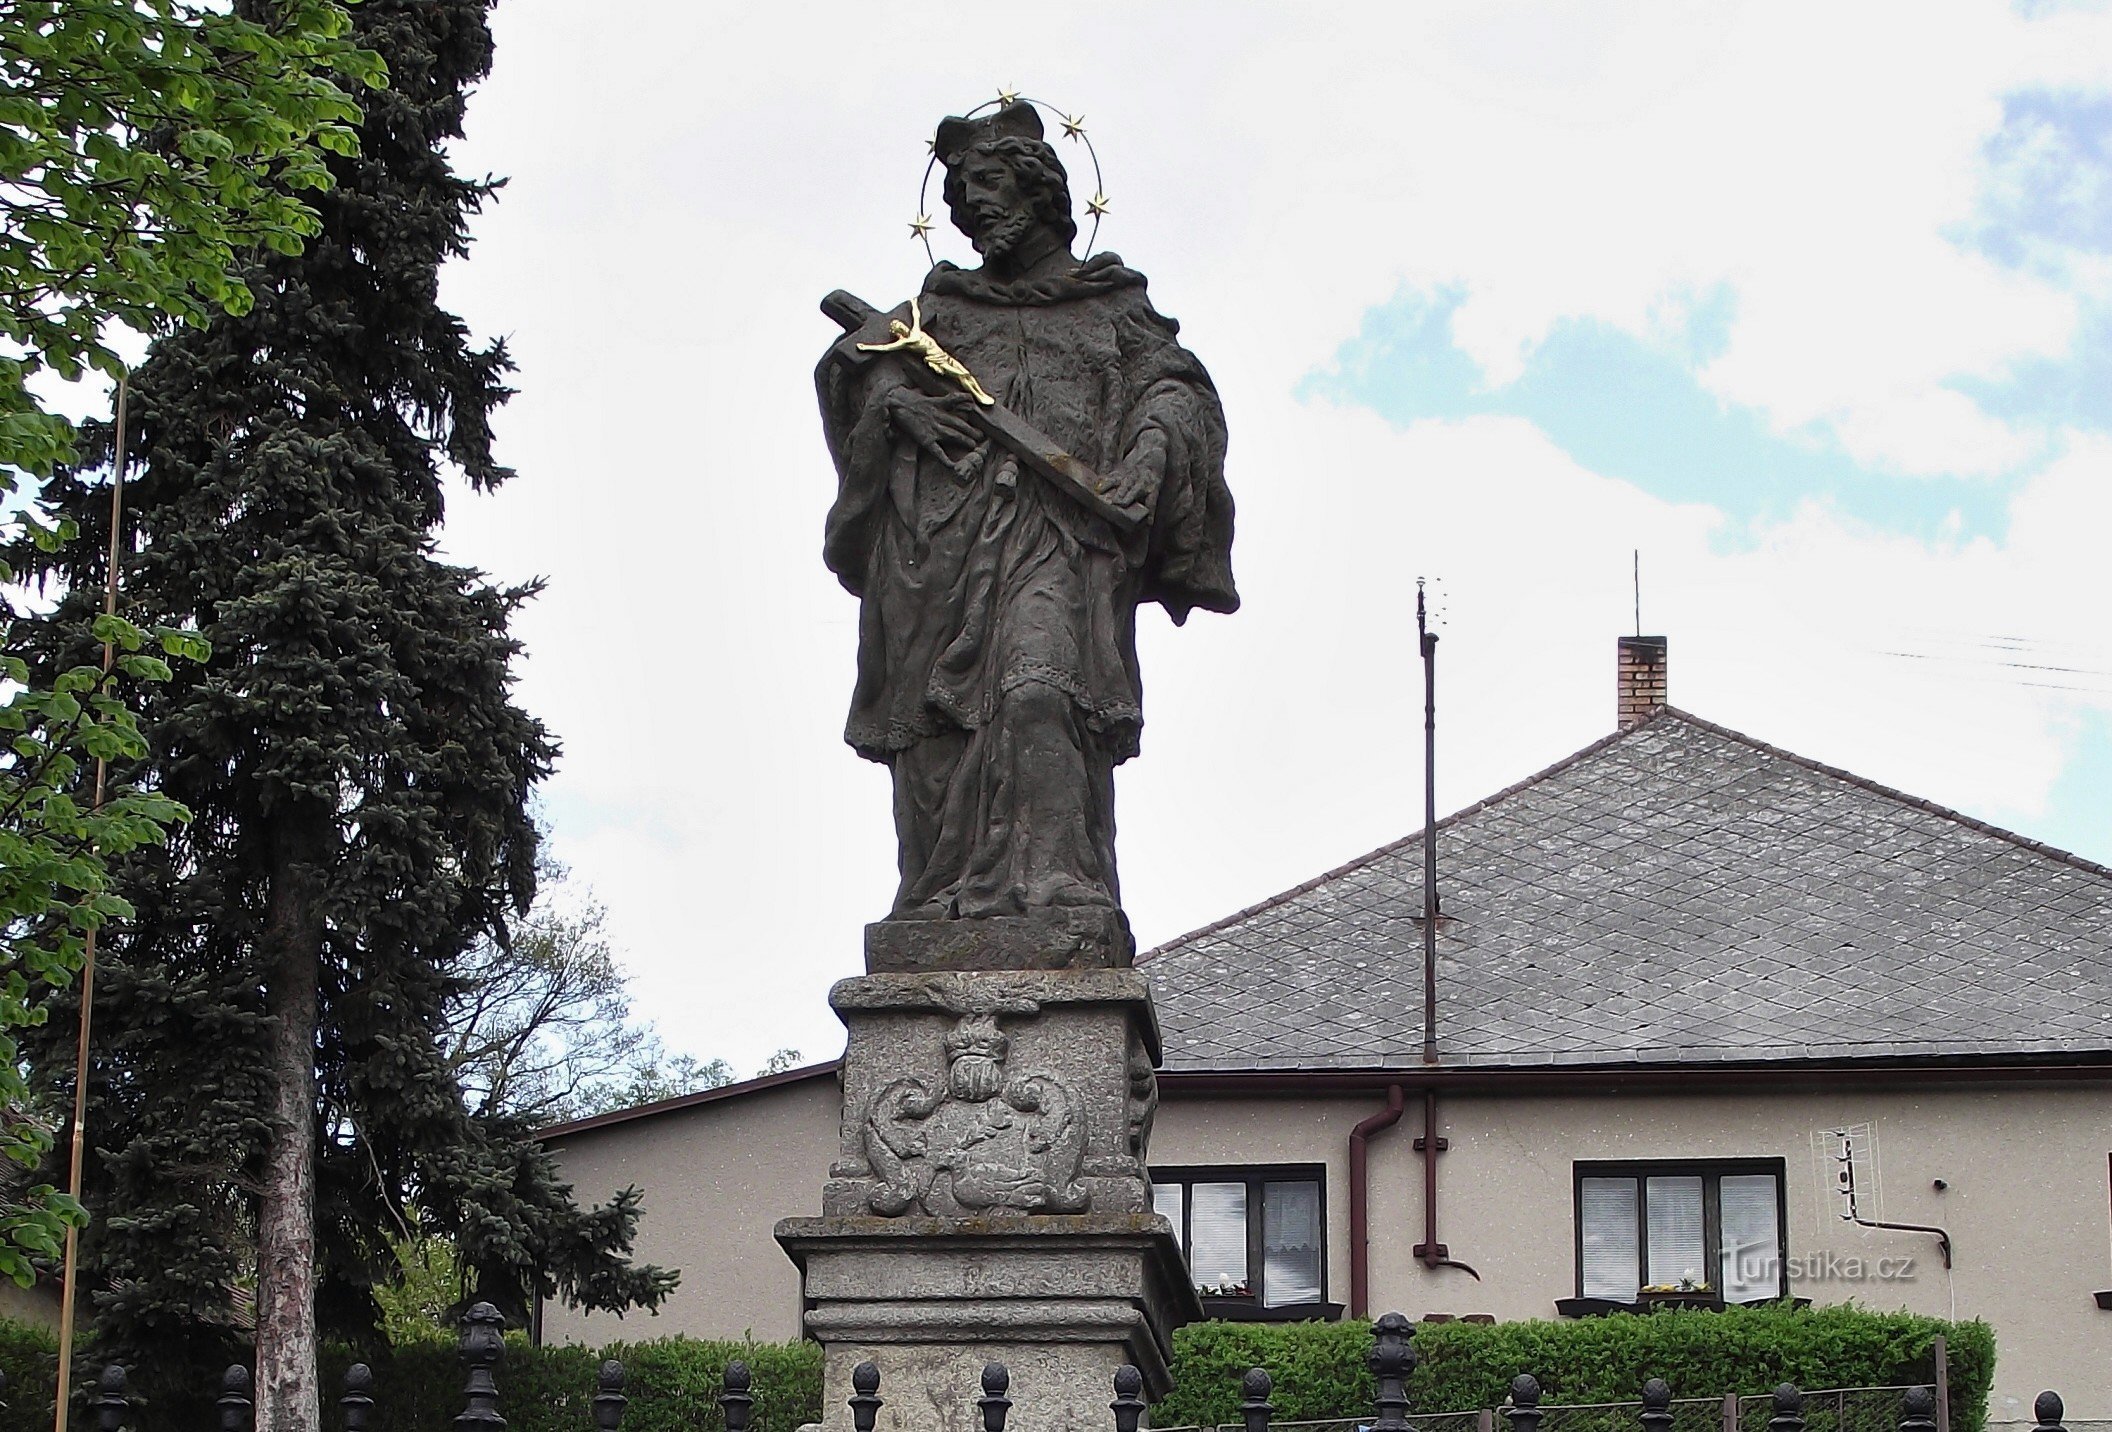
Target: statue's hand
940, 426
1135, 483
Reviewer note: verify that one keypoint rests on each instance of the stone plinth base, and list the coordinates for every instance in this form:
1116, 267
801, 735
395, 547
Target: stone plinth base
1078, 939
1062, 1301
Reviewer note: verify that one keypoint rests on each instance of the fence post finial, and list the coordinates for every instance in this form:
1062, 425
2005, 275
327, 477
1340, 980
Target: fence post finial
1789, 1410
735, 1401
609, 1400
2049, 1409
110, 1403
358, 1401
482, 1341
1255, 1388
1917, 1410
1523, 1411
865, 1396
1128, 1405
1657, 1406
1392, 1359
236, 1409
993, 1401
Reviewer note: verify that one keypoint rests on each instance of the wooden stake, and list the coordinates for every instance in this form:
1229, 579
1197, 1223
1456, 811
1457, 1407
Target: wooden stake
71, 1268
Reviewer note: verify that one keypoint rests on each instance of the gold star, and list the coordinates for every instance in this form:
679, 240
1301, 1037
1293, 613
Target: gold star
920, 226
1097, 204
1006, 96
1073, 128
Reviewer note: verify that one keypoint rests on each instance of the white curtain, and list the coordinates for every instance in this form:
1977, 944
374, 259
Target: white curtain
1217, 1234
1607, 1208
1166, 1201
1672, 1214
1752, 1238
1290, 1237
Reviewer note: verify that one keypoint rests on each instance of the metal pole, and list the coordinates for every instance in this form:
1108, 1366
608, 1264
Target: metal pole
1943, 1384
71, 1268
1429, 647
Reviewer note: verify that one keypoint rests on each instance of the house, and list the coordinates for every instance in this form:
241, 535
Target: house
1714, 1023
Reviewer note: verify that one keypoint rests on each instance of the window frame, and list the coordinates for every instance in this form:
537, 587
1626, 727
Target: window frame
1711, 1172
1251, 1308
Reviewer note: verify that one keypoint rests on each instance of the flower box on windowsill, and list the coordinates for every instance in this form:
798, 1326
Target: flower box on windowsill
1247, 1310
1649, 1302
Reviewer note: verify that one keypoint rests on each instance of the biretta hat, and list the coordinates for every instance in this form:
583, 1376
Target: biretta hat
1016, 120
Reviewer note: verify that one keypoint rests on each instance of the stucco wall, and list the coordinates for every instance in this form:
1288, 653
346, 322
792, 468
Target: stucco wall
717, 1177
2026, 1204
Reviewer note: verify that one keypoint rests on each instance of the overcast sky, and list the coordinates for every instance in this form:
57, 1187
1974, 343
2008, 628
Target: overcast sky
1810, 303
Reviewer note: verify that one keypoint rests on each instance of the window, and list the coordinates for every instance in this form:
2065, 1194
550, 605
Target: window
1255, 1238
1711, 1231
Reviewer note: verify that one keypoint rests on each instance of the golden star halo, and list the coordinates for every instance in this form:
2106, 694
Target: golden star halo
920, 226
1006, 96
1097, 204
1074, 128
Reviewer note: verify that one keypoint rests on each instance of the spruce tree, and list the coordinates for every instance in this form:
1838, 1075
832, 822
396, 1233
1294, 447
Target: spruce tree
269, 1081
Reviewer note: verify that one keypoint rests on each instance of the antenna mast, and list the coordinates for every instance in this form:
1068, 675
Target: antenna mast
1429, 648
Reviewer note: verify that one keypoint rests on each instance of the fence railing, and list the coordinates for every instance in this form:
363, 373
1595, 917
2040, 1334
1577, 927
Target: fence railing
1392, 1359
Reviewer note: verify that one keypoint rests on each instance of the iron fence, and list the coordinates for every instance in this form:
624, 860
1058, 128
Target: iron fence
1392, 1358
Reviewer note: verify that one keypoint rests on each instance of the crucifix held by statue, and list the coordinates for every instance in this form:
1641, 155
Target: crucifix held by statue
1025, 455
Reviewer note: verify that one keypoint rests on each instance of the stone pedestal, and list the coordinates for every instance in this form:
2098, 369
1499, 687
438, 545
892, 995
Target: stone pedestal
990, 1198
1061, 1300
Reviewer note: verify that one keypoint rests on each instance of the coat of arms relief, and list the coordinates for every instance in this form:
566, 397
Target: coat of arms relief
985, 1139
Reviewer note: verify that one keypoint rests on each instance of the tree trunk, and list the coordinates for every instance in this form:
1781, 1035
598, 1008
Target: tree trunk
288, 1393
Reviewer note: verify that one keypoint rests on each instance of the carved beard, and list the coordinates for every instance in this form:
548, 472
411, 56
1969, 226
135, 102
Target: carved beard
994, 238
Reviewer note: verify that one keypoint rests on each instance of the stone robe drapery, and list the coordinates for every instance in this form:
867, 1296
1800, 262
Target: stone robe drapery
997, 663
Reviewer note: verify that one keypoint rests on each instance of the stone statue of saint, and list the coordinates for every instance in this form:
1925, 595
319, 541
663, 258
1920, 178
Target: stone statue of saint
997, 655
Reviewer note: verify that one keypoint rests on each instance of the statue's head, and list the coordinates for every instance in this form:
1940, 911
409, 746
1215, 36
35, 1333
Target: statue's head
1003, 181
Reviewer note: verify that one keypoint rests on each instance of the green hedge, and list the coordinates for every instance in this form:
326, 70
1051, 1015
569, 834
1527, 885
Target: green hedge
1319, 1369
30, 1357
673, 1384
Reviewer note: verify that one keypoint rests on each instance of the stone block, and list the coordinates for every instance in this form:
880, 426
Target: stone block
1074, 939
1061, 1301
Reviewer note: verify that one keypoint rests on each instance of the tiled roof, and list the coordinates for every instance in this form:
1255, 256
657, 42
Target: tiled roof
1676, 893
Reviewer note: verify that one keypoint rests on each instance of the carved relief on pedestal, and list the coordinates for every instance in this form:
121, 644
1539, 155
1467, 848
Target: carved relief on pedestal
1143, 1101
983, 1140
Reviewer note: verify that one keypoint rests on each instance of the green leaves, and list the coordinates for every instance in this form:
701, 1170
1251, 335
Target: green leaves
145, 147
55, 849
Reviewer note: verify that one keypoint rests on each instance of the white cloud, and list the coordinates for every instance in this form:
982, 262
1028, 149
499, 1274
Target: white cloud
1934, 432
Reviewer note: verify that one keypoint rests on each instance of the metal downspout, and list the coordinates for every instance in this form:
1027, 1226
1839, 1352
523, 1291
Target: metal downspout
1360, 1198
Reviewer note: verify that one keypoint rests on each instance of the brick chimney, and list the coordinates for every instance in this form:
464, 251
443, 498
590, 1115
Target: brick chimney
1641, 677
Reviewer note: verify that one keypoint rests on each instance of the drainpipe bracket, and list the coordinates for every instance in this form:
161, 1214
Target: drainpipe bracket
1442, 1144
1427, 1251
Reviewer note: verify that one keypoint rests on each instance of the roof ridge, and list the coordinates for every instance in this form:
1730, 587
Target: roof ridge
716, 1092
1394, 846
1927, 807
